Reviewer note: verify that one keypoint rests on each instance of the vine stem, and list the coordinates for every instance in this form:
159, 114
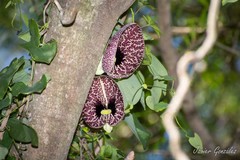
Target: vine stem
185, 80
83, 144
24, 108
148, 25
47, 5
5, 120
100, 143
8, 113
140, 8
45, 10
16, 148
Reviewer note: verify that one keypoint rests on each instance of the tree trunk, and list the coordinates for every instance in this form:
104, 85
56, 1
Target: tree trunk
56, 112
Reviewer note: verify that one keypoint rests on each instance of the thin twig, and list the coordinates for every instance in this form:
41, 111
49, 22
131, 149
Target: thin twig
19, 154
8, 113
59, 7
185, 81
83, 144
186, 30
98, 148
5, 120
31, 83
228, 49
45, 10
47, 5
21, 108
24, 108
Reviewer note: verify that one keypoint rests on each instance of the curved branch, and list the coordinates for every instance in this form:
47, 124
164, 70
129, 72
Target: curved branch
185, 80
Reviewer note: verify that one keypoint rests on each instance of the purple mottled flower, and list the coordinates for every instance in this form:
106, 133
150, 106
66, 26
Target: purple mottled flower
104, 104
125, 52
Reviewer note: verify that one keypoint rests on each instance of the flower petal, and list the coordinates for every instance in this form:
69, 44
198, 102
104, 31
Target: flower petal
125, 52
104, 95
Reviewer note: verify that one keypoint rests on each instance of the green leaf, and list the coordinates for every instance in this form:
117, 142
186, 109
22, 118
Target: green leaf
34, 137
157, 107
157, 69
140, 77
8, 4
224, 2
7, 74
44, 53
142, 100
23, 75
21, 88
25, 36
142, 81
160, 106
18, 131
133, 15
21, 132
10, 157
148, 56
138, 130
106, 151
156, 29
196, 141
75, 145
47, 77
131, 90
3, 152
157, 89
150, 102
147, 37
167, 78
6, 141
143, 3
34, 32
25, 19
6, 101
150, 22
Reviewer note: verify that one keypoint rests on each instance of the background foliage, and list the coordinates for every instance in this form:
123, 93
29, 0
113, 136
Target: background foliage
146, 93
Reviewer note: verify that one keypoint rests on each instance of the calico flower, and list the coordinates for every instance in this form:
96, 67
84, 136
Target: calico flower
125, 52
104, 104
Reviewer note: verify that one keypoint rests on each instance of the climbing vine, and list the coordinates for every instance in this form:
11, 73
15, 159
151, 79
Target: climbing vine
18, 86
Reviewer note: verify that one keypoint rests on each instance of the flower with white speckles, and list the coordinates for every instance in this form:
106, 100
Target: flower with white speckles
125, 52
104, 104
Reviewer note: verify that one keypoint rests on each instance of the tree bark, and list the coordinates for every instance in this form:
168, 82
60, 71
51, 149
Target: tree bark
170, 57
56, 112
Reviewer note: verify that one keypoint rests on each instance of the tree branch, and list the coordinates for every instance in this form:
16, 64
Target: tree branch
185, 81
186, 30
228, 49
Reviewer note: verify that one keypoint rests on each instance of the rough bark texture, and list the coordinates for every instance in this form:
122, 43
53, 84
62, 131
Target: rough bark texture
56, 112
170, 58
